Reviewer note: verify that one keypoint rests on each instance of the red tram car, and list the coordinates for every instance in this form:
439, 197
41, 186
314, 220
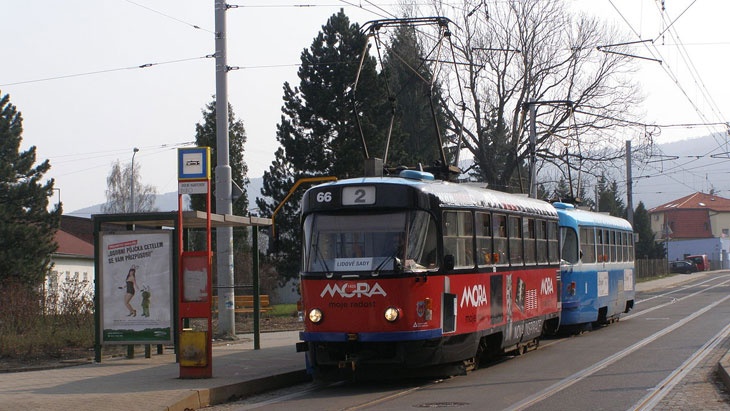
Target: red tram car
408, 273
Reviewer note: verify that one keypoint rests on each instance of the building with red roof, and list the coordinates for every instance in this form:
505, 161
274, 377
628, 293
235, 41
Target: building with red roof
695, 224
73, 262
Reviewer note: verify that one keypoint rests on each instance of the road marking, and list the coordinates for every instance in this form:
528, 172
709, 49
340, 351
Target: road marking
663, 388
648, 310
586, 372
681, 289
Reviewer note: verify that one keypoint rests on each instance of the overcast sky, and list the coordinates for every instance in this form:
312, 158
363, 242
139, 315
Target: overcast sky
82, 122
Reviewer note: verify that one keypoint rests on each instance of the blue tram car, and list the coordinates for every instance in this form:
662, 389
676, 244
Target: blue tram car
597, 267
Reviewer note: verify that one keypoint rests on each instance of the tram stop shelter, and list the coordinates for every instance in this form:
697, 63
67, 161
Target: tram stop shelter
139, 254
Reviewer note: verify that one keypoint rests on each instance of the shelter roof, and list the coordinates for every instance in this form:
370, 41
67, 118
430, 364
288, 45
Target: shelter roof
191, 219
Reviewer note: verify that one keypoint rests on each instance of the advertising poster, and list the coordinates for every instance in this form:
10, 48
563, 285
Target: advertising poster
136, 287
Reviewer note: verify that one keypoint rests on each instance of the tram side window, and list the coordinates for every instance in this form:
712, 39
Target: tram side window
632, 257
614, 249
484, 239
528, 233
500, 239
459, 237
588, 244
552, 235
542, 243
625, 238
514, 232
570, 245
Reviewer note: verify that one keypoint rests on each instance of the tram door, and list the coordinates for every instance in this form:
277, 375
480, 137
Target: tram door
449, 308
496, 297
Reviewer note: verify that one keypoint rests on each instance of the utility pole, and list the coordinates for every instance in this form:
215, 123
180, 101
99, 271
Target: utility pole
629, 186
533, 139
131, 183
223, 204
531, 105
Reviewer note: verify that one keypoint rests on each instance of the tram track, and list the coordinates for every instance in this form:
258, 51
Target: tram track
676, 300
598, 366
652, 399
683, 288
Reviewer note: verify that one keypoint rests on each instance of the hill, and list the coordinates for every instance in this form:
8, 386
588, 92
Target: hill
168, 201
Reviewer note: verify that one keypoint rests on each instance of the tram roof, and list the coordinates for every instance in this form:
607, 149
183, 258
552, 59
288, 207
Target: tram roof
570, 215
464, 195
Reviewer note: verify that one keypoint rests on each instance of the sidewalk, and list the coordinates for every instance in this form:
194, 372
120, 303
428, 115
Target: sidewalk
153, 383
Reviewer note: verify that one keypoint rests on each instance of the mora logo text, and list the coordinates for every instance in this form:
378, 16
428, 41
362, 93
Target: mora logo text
474, 296
351, 290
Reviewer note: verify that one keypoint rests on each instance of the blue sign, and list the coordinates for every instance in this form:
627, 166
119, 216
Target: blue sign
193, 163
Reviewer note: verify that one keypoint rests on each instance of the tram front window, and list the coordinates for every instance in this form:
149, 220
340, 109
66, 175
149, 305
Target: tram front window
373, 243
570, 251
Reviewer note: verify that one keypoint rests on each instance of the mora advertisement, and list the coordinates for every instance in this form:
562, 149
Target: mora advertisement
136, 287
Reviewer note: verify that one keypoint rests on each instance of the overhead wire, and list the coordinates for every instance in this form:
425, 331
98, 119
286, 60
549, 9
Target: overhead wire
91, 73
675, 79
195, 26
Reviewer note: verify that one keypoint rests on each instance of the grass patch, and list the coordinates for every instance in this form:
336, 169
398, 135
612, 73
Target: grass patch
282, 310
655, 277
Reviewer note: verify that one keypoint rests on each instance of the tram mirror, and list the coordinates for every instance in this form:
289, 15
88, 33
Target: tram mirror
448, 262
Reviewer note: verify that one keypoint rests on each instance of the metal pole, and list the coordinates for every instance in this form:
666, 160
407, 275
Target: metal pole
131, 185
256, 289
223, 204
533, 139
629, 186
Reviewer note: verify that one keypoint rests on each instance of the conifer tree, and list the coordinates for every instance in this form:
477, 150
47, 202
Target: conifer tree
27, 228
205, 136
318, 133
414, 140
609, 199
646, 246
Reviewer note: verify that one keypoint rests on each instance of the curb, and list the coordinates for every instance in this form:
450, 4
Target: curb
227, 393
722, 370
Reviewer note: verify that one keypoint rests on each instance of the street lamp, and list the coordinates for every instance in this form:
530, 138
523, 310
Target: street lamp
132, 182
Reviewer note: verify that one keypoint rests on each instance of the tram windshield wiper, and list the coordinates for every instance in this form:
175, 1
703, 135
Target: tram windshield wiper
397, 266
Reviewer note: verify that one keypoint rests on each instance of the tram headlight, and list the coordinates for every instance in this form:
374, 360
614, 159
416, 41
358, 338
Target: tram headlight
391, 314
315, 315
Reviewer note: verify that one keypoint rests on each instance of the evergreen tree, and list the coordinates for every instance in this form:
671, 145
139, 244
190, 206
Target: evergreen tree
609, 199
27, 228
646, 246
205, 136
414, 139
318, 133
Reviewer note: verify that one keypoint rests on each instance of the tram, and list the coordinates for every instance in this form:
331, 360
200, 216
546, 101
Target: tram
598, 266
408, 272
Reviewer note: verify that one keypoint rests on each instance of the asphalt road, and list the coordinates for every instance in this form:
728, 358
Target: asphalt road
657, 357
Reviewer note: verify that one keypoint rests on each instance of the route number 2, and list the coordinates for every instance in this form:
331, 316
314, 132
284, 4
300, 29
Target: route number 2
360, 195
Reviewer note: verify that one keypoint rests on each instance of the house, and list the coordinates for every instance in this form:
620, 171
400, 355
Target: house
695, 224
73, 262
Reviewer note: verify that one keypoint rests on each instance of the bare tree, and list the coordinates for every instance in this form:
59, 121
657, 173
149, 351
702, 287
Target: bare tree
511, 53
119, 191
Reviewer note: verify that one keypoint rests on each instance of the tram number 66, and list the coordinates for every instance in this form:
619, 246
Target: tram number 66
324, 197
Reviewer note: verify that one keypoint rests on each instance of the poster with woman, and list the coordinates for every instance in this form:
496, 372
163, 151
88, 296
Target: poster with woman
136, 287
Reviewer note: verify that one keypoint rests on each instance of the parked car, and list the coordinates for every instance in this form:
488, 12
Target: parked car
700, 260
682, 267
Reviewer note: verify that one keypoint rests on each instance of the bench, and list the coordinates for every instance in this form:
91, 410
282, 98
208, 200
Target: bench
244, 303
